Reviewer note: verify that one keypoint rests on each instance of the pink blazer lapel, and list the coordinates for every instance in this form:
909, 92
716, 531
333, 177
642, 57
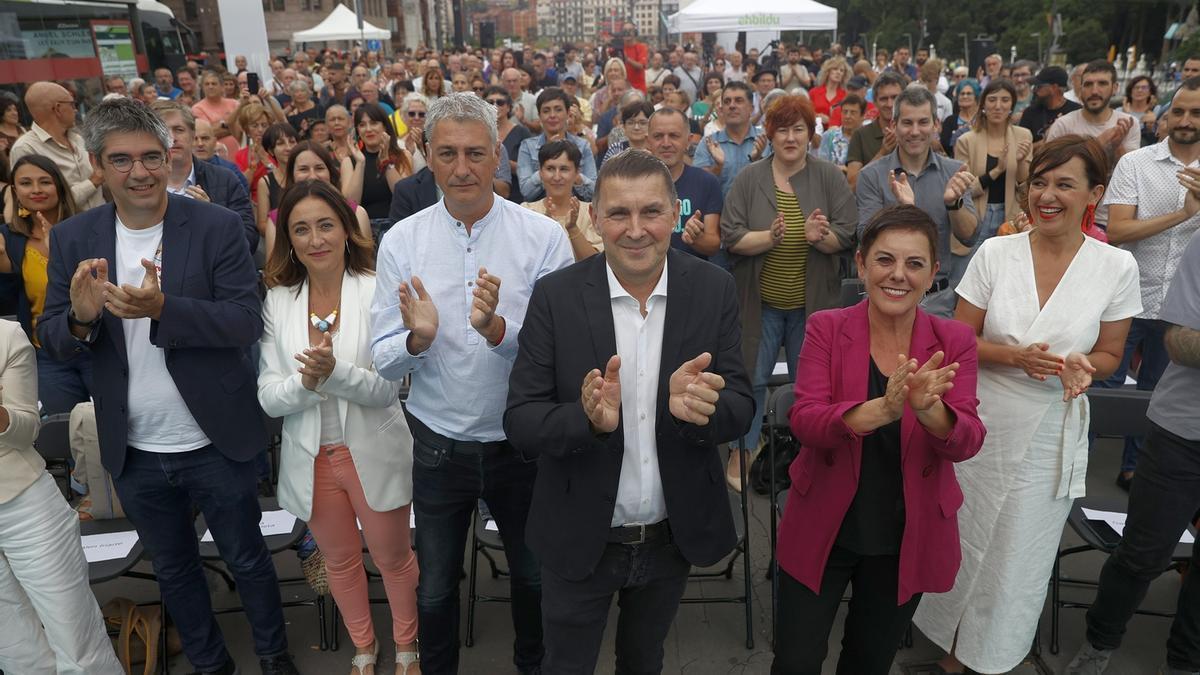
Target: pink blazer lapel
855, 353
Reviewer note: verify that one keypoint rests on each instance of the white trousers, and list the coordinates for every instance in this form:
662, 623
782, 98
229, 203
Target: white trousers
50, 621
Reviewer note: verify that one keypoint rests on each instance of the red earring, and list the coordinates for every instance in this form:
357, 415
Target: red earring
1089, 218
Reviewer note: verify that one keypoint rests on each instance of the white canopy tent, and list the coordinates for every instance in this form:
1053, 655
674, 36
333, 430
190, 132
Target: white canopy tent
341, 24
715, 16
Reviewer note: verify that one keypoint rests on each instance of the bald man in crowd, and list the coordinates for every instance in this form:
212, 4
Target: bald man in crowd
53, 135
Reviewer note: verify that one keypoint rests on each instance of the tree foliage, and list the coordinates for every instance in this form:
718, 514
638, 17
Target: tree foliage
1089, 26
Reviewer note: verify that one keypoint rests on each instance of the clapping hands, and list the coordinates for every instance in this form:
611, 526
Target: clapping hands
1076, 375
693, 229
694, 392
816, 227
920, 386
601, 396
316, 363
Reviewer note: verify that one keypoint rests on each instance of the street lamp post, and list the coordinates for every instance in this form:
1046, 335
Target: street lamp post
966, 51
1039, 51
909, 36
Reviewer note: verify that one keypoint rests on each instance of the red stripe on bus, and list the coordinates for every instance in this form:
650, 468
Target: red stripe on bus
35, 70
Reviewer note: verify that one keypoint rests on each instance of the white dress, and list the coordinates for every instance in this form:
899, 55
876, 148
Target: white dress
1019, 488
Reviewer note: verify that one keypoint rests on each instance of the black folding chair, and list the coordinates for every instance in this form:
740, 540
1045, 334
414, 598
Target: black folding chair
106, 570
852, 292
211, 557
778, 405
1115, 413
486, 543
54, 445
740, 552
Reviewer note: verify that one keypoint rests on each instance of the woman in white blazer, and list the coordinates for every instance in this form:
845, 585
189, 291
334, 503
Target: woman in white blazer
347, 451
51, 622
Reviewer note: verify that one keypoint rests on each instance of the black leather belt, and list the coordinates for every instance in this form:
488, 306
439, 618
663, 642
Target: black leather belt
659, 532
938, 286
433, 439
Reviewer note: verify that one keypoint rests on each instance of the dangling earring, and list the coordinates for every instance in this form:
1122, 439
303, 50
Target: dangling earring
1089, 218
292, 255
23, 212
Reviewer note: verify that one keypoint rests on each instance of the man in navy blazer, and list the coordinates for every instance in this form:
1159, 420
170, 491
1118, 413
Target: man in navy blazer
415, 193
198, 179
629, 375
162, 291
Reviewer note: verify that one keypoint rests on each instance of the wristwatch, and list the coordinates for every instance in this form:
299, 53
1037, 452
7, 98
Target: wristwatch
74, 320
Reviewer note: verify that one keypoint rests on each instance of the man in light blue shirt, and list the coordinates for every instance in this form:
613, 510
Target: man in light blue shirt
726, 152
553, 105
440, 314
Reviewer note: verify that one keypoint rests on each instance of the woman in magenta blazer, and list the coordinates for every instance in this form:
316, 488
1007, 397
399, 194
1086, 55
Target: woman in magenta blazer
885, 402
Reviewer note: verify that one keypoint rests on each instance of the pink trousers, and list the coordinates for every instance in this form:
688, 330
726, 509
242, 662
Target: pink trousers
337, 500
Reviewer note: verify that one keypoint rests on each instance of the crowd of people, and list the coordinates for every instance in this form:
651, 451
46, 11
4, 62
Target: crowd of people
585, 264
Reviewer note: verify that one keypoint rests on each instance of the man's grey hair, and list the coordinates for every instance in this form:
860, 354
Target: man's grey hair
121, 115
889, 78
461, 107
1026, 63
915, 97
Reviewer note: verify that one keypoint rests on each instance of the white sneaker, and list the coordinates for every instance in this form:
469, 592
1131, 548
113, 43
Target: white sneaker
1089, 661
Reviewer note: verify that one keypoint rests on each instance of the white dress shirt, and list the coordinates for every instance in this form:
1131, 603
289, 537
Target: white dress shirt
190, 181
1145, 178
639, 344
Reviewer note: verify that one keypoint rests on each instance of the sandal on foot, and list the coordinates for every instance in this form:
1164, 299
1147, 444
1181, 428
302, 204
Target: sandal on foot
405, 660
361, 661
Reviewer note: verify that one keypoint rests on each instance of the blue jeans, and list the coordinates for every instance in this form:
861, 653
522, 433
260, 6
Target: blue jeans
780, 328
1149, 333
158, 492
449, 478
63, 384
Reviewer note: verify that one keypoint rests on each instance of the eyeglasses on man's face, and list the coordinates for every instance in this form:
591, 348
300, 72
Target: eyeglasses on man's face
416, 113
151, 161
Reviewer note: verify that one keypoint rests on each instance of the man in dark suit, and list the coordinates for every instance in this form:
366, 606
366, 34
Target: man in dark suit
161, 290
626, 396
202, 180
412, 194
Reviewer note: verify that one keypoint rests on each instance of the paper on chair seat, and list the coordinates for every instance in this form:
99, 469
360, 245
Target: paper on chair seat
272, 523
1116, 521
108, 546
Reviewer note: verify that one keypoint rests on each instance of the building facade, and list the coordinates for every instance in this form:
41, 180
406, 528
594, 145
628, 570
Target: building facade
561, 21
284, 17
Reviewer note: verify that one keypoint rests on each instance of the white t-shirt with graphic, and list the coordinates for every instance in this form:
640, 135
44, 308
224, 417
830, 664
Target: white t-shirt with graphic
158, 417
